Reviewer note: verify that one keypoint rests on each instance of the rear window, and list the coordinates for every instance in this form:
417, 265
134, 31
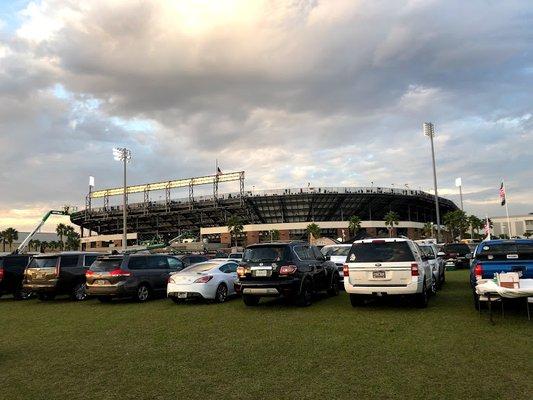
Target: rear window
43, 262
266, 254
427, 251
505, 251
381, 252
108, 264
456, 248
336, 251
202, 267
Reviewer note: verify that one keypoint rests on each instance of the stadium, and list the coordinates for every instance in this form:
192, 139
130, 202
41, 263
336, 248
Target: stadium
288, 210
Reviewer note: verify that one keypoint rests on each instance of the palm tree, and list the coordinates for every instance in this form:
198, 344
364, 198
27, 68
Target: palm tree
61, 231
475, 224
10, 235
391, 219
2, 238
313, 230
428, 229
354, 225
235, 228
44, 245
35, 243
275, 234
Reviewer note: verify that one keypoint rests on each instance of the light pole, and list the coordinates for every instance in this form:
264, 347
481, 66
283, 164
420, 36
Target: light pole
429, 131
124, 155
459, 184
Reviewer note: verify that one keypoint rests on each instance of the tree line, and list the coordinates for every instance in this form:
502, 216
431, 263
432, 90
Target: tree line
69, 239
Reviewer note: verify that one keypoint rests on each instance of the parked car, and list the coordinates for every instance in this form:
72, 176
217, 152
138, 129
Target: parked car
49, 275
190, 259
12, 275
235, 256
337, 254
140, 276
209, 280
387, 267
455, 255
495, 256
293, 269
436, 263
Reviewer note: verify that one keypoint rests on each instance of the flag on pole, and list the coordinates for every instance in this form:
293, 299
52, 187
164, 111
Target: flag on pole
487, 227
502, 194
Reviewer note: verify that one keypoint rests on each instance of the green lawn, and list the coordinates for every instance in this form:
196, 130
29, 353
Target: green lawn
159, 350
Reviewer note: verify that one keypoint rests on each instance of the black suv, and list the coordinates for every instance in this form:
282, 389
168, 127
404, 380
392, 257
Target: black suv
140, 276
12, 274
455, 255
54, 274
294, 270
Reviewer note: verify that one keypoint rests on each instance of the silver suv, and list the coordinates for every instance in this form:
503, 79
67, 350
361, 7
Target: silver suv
383, 267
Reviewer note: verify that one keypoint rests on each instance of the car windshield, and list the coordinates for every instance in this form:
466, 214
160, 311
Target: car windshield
380, 252
502, 251
336, 251
199, 268
456, 248
265, 254
106, 264
43, 262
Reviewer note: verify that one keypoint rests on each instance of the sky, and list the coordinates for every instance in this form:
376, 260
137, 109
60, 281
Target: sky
331, 93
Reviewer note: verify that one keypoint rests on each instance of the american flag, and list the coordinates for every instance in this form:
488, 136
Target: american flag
487, 226
502, 194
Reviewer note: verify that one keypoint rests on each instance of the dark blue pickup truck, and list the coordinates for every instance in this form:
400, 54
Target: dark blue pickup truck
492, 256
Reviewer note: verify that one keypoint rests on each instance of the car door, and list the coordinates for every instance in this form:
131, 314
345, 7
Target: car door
321, 271
159, 271
69, 269
422, 261
230, 276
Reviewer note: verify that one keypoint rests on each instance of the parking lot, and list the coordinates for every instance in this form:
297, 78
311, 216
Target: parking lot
161, 350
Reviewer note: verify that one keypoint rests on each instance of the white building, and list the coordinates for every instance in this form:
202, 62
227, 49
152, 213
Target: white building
520, 224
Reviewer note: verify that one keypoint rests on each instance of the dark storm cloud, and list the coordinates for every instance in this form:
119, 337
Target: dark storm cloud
332, 92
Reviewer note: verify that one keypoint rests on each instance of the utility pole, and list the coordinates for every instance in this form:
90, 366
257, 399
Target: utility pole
124, 155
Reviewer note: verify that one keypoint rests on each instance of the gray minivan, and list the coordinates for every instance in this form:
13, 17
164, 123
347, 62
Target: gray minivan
141, 276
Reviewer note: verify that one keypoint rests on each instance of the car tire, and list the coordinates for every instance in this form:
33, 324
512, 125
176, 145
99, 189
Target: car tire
104, 299
334, 288
143, 293
434, 286
46, 296
79, 292
22, 294
421, 299
305, 298
356, 300
221, 294
250, 301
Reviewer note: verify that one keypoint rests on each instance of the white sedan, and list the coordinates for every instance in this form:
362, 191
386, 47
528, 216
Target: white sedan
211, 280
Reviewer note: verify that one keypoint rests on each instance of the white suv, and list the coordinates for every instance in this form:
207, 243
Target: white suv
378, 267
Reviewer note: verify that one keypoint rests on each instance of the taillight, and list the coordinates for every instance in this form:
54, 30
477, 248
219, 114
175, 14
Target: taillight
345, 270
119, 272
170, 280
89, 273
1, 274
378, 241
478, 271
414, 269
288, 269
204, 279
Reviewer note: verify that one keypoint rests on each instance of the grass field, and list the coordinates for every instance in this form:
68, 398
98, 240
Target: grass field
159, 350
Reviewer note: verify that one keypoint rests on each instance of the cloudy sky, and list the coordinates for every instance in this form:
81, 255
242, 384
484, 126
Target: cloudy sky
331, 92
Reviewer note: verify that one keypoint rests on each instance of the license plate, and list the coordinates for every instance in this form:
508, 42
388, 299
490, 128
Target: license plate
261, 272
100, 282
450, 264
378, 274
182, 295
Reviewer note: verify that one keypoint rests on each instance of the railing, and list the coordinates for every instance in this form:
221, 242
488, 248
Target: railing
275, 192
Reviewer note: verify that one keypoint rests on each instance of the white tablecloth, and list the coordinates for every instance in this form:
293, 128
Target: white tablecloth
489, 286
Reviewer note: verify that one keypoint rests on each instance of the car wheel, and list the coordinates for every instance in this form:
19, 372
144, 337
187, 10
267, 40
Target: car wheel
143, 293
334, 289
356, 300
46, 296
22, 294
78, 292
221, 294
176, 300
305, 298
421, 299
104, 299
250, 300
434, 286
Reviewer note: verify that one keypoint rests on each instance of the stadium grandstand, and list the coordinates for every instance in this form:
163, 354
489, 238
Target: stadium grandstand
288, 211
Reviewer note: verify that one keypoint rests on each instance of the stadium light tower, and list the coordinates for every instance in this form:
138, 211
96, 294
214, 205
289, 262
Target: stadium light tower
124, 155
429, 131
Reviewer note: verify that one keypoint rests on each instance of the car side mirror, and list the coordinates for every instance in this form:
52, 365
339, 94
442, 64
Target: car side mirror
441, 254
